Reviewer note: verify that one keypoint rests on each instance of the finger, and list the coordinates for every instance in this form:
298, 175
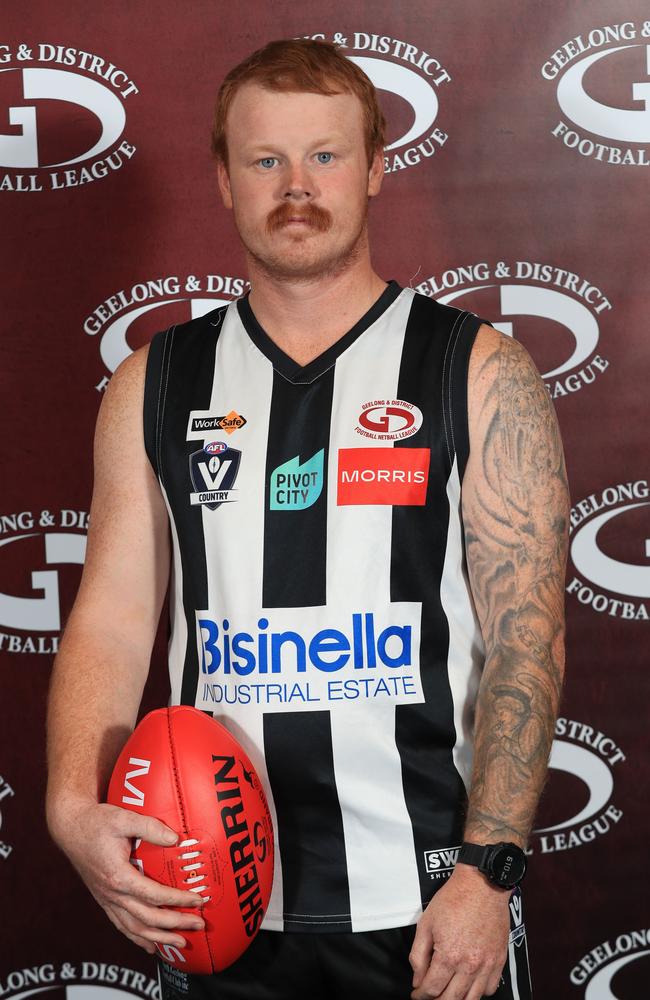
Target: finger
479, 990
130, 824
156, 916
130, 882
420, 954
435, 981
458, 988
495, 980
147, 945
156, 935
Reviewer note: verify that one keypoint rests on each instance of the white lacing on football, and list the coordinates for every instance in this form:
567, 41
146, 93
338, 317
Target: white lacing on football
197, 880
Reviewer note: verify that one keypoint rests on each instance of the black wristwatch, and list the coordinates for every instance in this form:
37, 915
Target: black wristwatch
503, 864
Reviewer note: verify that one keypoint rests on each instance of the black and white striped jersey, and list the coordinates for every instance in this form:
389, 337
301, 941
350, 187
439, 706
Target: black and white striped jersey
320, 604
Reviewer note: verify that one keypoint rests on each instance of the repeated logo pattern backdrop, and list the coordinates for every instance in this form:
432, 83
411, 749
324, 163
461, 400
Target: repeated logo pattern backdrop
516, 186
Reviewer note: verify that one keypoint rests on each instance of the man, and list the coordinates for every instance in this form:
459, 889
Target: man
320, 528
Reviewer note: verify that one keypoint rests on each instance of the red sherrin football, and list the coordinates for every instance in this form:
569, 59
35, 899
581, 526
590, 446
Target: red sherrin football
188, 771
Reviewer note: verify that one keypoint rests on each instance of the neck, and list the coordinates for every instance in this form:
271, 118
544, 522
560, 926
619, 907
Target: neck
306, 316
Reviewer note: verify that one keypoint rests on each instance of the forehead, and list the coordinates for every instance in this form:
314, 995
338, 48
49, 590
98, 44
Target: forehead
258, 115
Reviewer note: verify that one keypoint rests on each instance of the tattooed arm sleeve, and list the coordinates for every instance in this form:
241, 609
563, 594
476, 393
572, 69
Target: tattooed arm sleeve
515, 511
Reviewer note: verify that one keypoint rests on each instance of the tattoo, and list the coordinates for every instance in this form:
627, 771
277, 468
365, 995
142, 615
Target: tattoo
515, 511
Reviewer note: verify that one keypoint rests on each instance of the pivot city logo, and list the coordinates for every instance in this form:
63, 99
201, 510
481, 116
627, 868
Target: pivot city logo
599, 967
81, 981
409, 76
589, 755
610, 550
31, 546
295, 485
603, 89
63, 126
116, 319
554, 312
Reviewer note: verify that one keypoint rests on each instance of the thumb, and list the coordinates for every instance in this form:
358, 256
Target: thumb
420, 954
147, 828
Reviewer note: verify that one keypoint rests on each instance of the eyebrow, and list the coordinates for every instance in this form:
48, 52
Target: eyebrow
327, 141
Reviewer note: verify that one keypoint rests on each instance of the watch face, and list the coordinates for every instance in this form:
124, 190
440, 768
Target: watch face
507, 865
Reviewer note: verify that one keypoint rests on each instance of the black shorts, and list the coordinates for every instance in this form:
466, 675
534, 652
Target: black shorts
365, 965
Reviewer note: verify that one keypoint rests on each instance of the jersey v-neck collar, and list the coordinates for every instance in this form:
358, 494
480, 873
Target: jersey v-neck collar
289, 368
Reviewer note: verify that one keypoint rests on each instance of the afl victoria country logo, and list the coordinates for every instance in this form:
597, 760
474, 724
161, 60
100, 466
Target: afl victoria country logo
129, 318
81, 981
33, 548
65, 118
610, 551
600, 968
409, 79
588, 755
602, 79
557, 314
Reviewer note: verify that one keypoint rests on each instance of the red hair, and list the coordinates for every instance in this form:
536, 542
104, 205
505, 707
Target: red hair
301, 65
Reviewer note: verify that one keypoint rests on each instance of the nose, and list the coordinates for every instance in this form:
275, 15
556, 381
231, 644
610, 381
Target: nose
297, 183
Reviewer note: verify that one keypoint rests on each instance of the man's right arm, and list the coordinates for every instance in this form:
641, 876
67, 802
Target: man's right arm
100, 672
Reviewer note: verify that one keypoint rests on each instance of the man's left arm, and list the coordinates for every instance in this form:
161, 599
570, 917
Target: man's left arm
515, 508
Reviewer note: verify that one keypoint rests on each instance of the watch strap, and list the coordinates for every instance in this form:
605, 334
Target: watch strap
474, 854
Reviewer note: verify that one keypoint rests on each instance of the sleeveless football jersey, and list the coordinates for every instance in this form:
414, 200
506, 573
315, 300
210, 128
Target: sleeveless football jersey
320, 605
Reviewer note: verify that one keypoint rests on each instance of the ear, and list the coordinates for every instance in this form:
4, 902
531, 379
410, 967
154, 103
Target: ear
376, 173
224, 184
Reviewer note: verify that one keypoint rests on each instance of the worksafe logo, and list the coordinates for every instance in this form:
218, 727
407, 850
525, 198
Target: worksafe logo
602, 80
295, 485
81, 981
410, 80
610, 551
590, 756
33, 548
131, 316
6, 793
62, 126
599, 970
556, 313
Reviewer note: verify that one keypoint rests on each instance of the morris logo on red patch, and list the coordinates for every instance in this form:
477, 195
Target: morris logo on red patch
396, 476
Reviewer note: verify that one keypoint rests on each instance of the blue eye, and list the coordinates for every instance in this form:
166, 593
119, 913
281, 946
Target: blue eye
321, 155
268, 161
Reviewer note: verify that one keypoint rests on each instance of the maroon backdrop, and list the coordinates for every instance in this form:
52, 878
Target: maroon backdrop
519, 134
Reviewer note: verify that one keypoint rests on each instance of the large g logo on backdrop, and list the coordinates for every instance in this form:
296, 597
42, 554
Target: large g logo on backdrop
546, 303
611, 123
20, 151
603, 570
407, 84
114, 348
593, 771
42, 613
600, 987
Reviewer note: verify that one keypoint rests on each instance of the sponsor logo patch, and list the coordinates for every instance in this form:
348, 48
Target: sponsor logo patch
288, 655
202, 422
396, 476
295, 486
213, 471
388, 420
439, 864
